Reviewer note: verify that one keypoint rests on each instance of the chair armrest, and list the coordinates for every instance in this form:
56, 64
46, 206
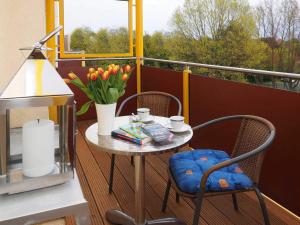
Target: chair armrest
233, 117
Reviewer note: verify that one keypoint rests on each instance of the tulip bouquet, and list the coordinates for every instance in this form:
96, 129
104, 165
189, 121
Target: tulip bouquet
103, 86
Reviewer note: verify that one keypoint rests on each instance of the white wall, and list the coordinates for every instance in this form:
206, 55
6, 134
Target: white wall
22, 22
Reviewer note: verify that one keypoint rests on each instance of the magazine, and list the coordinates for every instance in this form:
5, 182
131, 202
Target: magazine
158, 132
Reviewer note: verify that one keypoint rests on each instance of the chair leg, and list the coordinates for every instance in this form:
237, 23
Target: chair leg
234, 200
111, 175
166, 196
177, 198
198, 203
132, 160
262, 205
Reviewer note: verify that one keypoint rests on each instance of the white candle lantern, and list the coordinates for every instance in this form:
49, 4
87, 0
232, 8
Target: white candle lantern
41, 152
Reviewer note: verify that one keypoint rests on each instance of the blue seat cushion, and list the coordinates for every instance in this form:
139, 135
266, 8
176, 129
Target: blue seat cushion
188, 168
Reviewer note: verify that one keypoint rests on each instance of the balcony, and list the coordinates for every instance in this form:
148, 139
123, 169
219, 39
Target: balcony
206, 92
208, 98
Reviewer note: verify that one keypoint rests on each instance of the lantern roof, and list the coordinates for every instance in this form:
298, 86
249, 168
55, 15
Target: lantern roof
37, 77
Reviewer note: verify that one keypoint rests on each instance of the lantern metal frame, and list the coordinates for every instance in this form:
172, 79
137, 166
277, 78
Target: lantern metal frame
16, 95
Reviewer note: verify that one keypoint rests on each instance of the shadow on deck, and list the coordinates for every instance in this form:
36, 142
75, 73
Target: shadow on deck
93, 171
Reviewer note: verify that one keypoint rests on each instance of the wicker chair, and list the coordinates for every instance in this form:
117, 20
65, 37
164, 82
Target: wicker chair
255, 135
159, 105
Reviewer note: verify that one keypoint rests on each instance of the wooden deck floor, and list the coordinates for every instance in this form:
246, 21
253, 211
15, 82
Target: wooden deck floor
93, 171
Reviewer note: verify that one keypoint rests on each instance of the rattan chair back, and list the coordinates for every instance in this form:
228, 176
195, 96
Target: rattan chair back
252, 134
157, 102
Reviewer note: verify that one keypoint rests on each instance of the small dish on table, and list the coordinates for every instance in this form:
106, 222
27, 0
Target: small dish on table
184, 128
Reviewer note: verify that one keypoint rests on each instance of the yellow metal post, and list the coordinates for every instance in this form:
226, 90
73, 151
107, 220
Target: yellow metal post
139, 42
50, 26
186, 92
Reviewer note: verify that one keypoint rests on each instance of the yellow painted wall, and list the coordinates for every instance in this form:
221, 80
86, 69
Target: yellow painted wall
21, 24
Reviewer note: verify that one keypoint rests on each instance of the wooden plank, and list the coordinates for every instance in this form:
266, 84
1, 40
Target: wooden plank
253, 209
277, 210
95, 179
69, 221
225, 205
96, 218
121, 189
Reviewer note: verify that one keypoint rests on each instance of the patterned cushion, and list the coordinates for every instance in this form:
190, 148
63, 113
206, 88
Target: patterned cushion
188, 167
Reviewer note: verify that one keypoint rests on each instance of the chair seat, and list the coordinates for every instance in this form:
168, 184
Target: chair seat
188, 168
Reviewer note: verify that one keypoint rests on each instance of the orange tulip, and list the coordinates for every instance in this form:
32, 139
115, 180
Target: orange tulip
88, 76
127, 68
115, 70
72, 76
110, 68
67, 81
91, 70
121, 70
124, 77
94, 76
105, 75
100, 70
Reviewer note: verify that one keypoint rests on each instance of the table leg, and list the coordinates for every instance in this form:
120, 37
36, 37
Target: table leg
139, 168
118, 217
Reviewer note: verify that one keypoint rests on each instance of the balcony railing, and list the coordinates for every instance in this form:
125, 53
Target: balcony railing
205, 98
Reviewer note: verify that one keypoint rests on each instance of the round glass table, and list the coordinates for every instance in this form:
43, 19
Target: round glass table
121, 147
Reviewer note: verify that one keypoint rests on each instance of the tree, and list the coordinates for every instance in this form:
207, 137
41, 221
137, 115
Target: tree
278, 26
207, 18
103, 41
81, 39
220, 32
155, 45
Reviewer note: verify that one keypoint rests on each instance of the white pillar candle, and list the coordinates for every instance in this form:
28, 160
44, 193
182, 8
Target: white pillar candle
38, 147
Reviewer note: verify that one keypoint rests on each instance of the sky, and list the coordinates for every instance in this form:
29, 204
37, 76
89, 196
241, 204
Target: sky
113, 14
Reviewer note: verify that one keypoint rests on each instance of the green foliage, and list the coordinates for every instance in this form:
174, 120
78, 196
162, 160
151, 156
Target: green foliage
81, 39
102, 41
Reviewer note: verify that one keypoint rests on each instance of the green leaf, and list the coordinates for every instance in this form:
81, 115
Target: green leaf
84, 108
77, 82
113, 95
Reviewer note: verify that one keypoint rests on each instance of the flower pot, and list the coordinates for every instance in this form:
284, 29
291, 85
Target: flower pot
106, 118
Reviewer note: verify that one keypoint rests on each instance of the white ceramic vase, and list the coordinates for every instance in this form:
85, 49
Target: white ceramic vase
106, 118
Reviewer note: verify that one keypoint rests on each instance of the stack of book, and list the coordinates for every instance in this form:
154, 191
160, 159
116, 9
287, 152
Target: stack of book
132, 133
142, 134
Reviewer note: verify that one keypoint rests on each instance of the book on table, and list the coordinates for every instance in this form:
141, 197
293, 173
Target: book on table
158, 133
124, 135
134, 129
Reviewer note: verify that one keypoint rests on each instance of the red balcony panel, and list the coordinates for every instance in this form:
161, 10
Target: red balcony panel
155, 79
211, 98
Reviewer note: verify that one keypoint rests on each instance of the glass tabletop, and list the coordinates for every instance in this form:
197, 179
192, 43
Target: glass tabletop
122, 147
